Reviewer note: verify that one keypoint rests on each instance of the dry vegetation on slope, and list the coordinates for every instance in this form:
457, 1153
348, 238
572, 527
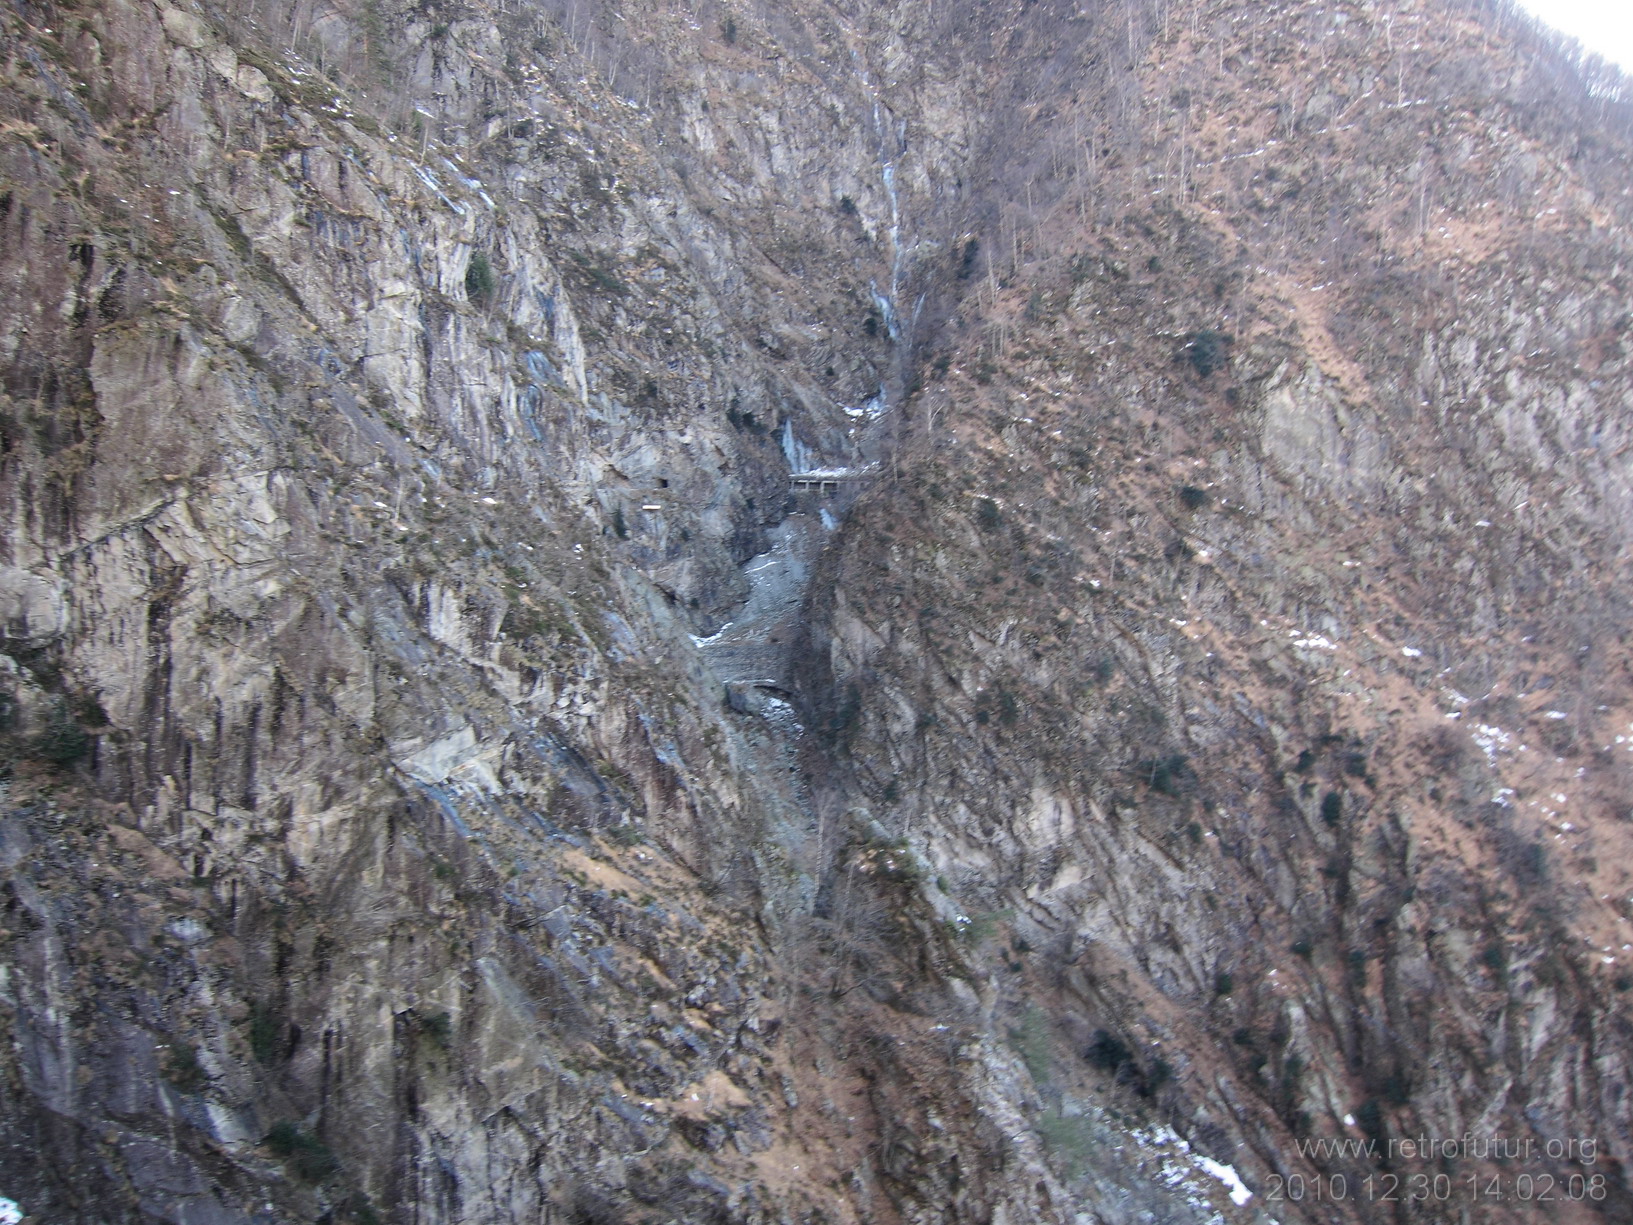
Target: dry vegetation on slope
392, 399
1246, 628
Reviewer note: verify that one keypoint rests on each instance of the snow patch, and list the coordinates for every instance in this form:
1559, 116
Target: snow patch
1239, 1194
10, 1211
712, 638
1490, 739
822, 474
1316, 642
872, 410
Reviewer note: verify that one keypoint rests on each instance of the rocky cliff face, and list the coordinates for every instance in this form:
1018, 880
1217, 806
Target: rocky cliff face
941, 612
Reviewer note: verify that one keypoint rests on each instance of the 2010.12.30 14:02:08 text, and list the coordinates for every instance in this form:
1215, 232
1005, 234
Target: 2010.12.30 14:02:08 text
1438, 1188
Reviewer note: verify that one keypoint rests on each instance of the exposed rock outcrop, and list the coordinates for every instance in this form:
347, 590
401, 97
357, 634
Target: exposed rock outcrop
466, 763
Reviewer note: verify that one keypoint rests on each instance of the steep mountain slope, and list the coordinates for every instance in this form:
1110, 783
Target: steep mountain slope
1245, 629
462, 772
